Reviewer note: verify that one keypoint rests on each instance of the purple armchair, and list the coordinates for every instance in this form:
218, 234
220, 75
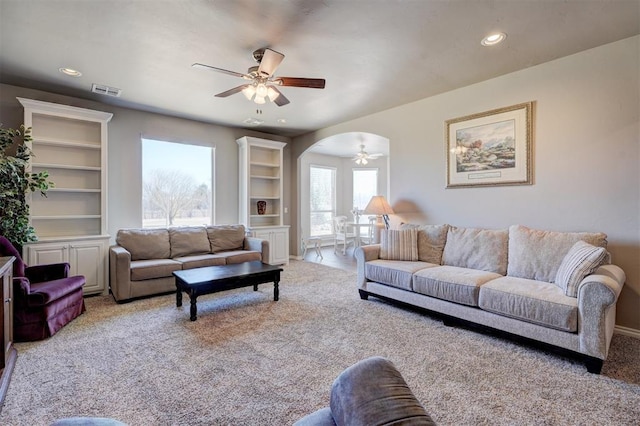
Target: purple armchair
45, 298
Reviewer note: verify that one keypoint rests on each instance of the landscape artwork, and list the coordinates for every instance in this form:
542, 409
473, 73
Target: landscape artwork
490, 148
487, 147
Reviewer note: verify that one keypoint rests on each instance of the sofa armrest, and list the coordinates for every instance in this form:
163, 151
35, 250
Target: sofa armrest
120, 272
50, 272
597, 297
363, 255
259, 245
373, 392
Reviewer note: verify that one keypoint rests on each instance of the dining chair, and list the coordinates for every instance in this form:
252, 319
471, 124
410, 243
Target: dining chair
368, 238
342, 234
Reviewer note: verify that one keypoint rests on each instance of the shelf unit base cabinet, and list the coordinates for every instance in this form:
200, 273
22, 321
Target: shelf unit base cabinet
278, 238
86, 257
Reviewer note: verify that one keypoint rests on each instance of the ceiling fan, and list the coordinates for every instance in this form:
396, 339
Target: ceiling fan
362, 158
262, 83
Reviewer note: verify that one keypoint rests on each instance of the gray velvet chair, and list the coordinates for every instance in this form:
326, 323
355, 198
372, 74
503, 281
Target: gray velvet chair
371, 392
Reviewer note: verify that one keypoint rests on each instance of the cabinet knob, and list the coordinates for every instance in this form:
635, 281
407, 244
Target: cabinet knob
7, 300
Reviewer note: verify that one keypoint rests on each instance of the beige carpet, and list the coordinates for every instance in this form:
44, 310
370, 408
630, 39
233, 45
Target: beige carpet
248, 360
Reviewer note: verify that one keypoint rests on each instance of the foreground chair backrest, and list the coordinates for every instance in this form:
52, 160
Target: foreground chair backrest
45, 297
371, 392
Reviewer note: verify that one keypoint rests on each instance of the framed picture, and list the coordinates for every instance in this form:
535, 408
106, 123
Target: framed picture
490, 148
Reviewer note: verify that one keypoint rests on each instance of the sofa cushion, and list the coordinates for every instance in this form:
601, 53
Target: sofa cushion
241, 256
396, 273
483, 249
537, 255
153, 268
431, 240
459, 285
188, 241
537, 302
399, 244
581, 260
201, 260
226, 237
145, 243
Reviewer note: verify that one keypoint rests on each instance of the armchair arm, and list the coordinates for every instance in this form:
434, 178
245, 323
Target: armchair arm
363, 255
120, 272
50, 272
597, 297
21, 289
259, 245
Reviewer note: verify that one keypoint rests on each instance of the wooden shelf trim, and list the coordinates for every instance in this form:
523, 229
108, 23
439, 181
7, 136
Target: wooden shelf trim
59, 142
65, 166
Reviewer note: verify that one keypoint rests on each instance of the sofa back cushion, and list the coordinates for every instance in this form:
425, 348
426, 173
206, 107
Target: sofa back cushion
431, 240
537, 255
398, 244
187, 241
145, 243
226, 237
483, 249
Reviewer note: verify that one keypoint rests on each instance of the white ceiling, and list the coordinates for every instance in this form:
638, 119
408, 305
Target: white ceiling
374, 54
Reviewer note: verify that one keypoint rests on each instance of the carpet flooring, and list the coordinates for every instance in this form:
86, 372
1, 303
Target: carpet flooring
248, 360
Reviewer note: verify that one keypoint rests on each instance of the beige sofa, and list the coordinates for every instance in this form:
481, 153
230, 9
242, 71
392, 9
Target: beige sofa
558, 288
143, 260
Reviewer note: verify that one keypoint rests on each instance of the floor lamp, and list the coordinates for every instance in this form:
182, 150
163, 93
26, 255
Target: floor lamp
379, 206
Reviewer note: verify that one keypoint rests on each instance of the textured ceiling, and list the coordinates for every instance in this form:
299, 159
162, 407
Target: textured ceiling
374, 54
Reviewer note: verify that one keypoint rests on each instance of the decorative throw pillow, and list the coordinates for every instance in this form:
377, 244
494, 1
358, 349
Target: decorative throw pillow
399, 244
581, 260
431, 241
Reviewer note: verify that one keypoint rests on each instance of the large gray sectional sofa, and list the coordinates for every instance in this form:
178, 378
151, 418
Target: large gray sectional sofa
558, 288
143, 260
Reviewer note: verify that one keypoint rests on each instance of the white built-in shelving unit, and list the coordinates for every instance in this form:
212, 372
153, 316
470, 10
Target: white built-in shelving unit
70, 143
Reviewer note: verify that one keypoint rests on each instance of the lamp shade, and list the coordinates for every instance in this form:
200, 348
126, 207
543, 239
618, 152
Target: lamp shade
378, 205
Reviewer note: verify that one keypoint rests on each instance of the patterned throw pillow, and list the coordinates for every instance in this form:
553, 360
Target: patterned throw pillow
399, 244
581, 260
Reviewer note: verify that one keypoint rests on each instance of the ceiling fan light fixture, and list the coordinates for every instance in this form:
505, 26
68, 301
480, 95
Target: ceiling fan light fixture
261, 90
272, 94
249, 91
259, 99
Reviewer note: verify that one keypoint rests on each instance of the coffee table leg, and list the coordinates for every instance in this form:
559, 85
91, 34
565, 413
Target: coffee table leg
194, 308
255, 287
276, 290
178, 297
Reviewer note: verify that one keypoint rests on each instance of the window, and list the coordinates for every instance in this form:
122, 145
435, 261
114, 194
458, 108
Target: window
176, 184
323, 199
365, 186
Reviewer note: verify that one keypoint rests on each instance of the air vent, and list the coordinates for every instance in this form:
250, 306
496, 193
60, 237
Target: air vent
253, 121
106, 90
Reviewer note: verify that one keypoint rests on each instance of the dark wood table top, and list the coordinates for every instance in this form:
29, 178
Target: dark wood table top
208, 274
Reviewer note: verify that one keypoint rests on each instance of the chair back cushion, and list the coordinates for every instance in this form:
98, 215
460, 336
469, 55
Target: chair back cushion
7, 249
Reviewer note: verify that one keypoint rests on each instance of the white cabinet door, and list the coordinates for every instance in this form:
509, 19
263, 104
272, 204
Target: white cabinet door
85, 257
88, 258
278, 238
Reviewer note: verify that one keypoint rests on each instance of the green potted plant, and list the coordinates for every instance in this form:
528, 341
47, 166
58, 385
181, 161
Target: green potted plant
15, 183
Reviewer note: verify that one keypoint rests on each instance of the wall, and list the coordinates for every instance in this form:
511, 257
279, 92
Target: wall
125, 153
586, 155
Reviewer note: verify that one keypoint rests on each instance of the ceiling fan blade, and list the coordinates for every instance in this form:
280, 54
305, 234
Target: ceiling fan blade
269, 62
281, 100
313, 83
231, 91
233, 73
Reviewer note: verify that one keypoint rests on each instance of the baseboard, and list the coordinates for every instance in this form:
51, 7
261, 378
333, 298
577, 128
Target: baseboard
626, 331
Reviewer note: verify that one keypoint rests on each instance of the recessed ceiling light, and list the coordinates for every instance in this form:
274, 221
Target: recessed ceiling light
493, 39
282, 120
253, 121
70, 72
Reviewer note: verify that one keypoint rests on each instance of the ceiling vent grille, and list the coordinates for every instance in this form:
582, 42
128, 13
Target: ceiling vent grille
106, 90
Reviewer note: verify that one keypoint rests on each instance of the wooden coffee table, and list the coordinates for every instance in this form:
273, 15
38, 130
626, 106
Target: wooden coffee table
212, 279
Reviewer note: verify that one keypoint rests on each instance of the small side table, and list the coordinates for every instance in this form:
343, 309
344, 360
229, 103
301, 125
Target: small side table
314, 242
